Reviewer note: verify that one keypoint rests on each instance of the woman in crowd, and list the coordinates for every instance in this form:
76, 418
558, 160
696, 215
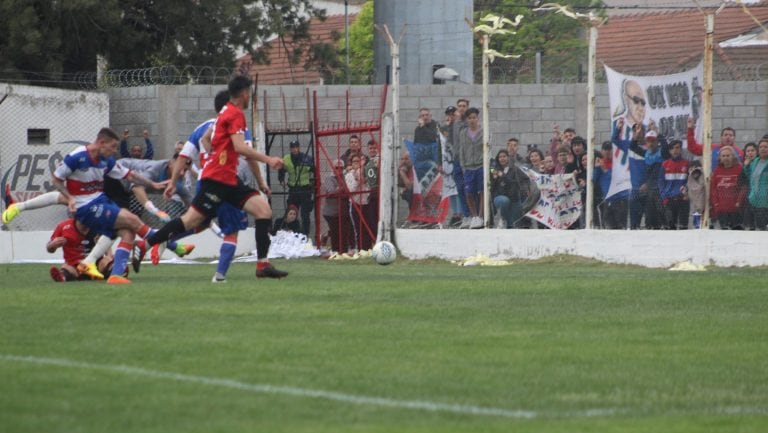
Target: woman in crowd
288, 222
747, 213
509, 187
756, 173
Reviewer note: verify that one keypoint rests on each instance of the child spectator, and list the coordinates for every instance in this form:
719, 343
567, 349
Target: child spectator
672, 187
696, 187
613, 210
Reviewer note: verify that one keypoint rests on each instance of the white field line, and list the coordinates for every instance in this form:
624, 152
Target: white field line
429, 406
286, 390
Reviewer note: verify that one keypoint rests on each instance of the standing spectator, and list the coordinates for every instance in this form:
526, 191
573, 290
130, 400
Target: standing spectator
653, 157
637, 173
512, 147
299, 166
371, 210
697, 193
673, 189
358, 198
748, 213
458, 202
578, 150
549, 165
612, 211
336, 208
561, 163
559, 140
405, 178
135, 150
727, 138
288, 222
470, 150
725, 190
757, 175
426, 131
461, 108
355, 148
509, 188
535, 160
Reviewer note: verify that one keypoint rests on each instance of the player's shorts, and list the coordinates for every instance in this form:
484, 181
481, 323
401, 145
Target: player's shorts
473, 180
231, 219
116, 192
100, 215
211, 195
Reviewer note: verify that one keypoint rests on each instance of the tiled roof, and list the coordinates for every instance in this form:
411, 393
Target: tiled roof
280, 71
655, 43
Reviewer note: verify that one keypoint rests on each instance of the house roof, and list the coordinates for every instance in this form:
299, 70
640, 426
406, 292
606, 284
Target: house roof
660, 42
280, 70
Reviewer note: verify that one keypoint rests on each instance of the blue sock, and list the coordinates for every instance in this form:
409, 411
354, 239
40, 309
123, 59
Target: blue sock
122, 252
226, 254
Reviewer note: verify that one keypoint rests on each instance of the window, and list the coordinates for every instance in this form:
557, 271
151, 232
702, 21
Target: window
38, 137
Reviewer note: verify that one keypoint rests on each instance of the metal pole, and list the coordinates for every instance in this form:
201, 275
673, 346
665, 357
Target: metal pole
707, 116
591, 123
346, 32
538, 67
486, 137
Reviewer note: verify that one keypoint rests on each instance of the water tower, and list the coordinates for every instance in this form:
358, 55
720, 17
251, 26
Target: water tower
436, 35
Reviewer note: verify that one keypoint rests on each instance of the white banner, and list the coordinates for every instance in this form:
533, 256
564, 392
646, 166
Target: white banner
663, 100
560, 203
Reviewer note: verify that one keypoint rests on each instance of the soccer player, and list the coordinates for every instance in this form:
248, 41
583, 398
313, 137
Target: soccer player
80, 180
75, 240
219, 182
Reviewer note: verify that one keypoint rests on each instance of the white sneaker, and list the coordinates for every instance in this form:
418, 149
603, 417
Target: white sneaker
465, 222
218, 278
501, 224
476, 223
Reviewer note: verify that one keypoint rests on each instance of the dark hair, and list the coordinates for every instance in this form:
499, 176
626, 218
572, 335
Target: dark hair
462, 100
472, 110
504, 151
607, 145
728, 128
238, 84
107, 133
220, 100
513, 139
750, 144
541, 155
570, 130
354, 136
674, 143
578, 140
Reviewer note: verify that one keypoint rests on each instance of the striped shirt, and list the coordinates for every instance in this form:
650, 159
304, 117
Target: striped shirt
84, 175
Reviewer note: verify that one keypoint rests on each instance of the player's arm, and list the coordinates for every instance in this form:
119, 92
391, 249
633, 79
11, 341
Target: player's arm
205, 140
238, 139
55, 243
176, 170
62, 189
256, 170
143, 181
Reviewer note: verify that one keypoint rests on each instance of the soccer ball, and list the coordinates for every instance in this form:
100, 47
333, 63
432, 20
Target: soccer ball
384, 253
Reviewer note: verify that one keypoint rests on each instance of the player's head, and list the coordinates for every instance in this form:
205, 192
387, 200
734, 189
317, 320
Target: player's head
240, 90
220, 100
107, 140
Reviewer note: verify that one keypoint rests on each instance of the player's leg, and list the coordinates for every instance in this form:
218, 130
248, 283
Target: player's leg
41, 201
226, 254
122, 252
258, 206
232, 220
103, 245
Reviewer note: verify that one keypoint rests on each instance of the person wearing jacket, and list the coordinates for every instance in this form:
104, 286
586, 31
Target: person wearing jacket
673, 180
653, 155
757, 175
509, 186
725, 190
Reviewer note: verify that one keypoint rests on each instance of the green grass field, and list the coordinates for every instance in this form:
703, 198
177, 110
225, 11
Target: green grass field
561, 345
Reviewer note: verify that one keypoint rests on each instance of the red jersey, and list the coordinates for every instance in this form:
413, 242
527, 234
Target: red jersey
78, 245
221, 164
725, 190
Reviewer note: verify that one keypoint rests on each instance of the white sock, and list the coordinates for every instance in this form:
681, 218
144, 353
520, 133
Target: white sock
43, 200
216, 229
150, 206
102, 246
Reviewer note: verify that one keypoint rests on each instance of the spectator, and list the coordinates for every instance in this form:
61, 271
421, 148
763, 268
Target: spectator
578, 150
336, 208
512, 148
653, 156
536, 160
559, 139
405, 178
461, 108
358, 198
458, 203
509, 188
562, 160
135, 150
549, 165
470, 150
299, 167
612, 211
748, 213
637, 172
355, 148
288, 222
371, 210
696, 187
673, 189
757, 175
725, 190
727, 138
426, 131
76, 241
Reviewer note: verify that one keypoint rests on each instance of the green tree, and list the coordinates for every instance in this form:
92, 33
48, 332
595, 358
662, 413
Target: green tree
360, 48
560, 39
65, 37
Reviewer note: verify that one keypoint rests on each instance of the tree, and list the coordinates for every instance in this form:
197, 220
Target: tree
65, 37
360, 47
560, 39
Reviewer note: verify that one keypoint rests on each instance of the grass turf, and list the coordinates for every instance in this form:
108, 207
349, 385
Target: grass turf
560, 345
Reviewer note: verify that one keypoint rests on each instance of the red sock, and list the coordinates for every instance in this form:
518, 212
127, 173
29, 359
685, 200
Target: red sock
143, 230
262, 265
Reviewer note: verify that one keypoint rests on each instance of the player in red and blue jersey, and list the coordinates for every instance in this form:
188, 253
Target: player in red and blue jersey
219, 182
80, 180
76, 241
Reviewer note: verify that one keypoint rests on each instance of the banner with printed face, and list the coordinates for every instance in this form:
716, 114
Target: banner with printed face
662, 102
560, 204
